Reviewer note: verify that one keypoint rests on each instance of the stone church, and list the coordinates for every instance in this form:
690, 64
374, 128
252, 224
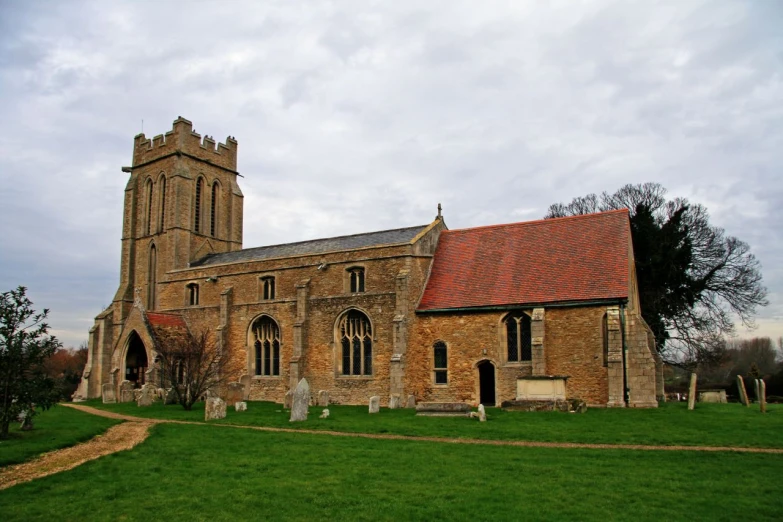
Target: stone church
536, 310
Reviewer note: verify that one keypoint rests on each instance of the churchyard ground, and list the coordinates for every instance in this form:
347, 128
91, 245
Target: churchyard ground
208, 472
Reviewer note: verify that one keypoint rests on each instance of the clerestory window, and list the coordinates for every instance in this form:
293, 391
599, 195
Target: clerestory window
519, 343
440, 352
266, 335
192, 294
267, 289
355, 337
356, 279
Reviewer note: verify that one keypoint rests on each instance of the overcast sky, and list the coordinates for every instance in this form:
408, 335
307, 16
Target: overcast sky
361, 116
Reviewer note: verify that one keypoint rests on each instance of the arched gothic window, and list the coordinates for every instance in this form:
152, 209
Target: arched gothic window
355, 336
267, 346
152, 278
267, 288
518, 337
148, 197
197, 207
162, 191
213, 209
440, 368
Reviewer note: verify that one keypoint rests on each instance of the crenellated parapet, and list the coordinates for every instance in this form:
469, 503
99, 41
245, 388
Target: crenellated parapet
183, 140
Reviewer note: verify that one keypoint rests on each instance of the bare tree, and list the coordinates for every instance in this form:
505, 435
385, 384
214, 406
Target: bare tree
694, 280
193, 364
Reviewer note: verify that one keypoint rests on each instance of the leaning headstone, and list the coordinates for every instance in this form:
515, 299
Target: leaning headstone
743, 393
482, 413
240, 406
324, 414
394, 402
323, 398
758, 389
288, 400
301, 401
692, 392
375, 404
411, 402
107, 393
147, 396
762, 396
214, 409
126, 392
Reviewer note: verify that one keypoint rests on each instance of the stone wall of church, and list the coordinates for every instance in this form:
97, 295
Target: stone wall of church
573, 346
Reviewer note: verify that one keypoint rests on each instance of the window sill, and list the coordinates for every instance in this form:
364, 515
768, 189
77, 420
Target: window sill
518, 363
356, 377
266, 377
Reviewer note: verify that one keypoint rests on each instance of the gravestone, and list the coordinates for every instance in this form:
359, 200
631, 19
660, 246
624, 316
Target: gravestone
288, 399
757, 389
375, 404
171, 396
762, 396
214, 409
411, 402
394, 402
323, 398
692, 392
126, 392
27, 422
301, 401
240, 406
146, 395
324, 414
743, 393
482, 414
107, 392
234, 392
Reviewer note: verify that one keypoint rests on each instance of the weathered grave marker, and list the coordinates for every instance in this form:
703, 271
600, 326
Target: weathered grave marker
288, 400
692, 392
762, 396
743, 393
482, 414
375, 404
394, 402
108, 395
240, 406
324, 414
214, 409
301, 401
411, 402
323, 398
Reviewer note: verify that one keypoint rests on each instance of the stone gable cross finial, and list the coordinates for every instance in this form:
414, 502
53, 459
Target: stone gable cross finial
439, 211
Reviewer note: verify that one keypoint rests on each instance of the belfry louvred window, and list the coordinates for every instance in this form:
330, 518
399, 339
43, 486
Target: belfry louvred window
518, 337
197, 206
356, 276
267, 288
266, 335
355, 335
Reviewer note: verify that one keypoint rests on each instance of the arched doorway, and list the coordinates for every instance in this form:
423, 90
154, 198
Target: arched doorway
486, 372
136, 360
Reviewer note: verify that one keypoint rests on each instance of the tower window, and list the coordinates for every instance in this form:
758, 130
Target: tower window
356, 279
148, 189
266, 334
267, 288
152, 278
197, 207
162, 203
213, 209
441, 363
355, 336
519, 343
192, 294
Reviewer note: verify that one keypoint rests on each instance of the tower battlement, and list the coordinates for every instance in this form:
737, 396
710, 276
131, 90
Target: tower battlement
182, 139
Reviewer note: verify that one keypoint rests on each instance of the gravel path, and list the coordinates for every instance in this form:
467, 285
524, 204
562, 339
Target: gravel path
136, 429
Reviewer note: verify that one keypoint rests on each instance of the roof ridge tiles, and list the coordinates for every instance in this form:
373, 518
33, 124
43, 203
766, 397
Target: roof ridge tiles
337, 237
542, 221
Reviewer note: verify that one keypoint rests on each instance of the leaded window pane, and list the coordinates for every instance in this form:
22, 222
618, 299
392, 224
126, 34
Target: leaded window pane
367, 356
267, 366
511, 339
258, 358
346, 356
441, 377
440, 355
276, 358
525, 341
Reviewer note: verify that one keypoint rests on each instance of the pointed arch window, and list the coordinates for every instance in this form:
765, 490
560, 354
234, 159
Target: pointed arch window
213, 209
440, 367
355, 336
148, 199
266, 335
162, 191
152, 278
197, 207
519, 343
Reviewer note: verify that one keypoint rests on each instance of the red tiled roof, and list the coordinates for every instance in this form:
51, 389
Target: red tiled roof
575, 258
160, 319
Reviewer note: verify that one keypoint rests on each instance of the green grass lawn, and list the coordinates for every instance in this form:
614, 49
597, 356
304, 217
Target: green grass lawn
59, 427
213, 473
671, 424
